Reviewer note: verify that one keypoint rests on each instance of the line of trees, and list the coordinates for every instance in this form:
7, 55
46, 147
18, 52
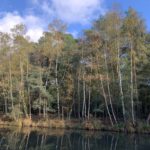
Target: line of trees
103, 74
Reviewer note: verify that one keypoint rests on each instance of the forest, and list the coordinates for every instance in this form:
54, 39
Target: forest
104, 74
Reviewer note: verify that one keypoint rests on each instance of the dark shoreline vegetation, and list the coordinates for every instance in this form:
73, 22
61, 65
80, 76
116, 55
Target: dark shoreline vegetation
100, 81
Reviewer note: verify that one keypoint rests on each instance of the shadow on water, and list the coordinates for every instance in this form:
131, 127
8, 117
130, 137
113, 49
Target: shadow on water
48, 139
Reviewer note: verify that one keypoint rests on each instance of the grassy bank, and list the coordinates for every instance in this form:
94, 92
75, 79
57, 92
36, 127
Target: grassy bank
76, 124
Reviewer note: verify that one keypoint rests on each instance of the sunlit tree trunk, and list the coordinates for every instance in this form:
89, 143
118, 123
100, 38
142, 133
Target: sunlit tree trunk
29, 98
108, 86
5, 99
57, 88
84, 99
10, 82
89, 100
120, 81
106, 104
131, 82
22, 96
40, 98
89, 103
28, 90
135, 79
103, 92
79, 97
43, 108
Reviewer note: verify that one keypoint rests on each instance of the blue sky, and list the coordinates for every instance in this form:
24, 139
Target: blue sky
77, 14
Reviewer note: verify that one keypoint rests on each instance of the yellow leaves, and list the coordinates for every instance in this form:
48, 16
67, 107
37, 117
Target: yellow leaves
95, 77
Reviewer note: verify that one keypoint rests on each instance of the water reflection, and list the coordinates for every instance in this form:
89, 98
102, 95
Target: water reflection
44, 139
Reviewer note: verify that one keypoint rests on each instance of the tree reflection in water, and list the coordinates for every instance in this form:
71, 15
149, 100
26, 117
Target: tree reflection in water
44, 139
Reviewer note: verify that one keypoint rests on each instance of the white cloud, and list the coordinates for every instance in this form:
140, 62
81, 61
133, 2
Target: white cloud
72, 11
8, 20
34, 24
35, 34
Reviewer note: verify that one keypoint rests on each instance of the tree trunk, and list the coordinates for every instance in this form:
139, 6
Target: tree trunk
22, 96
132, 87
6, 111
28, 90
84, 100
89, 103
43, 108
104, 93
78, 97
106, 104
108, 87
148, 119
135, 79
29, 103
57, 88
40, 99
10, 81
5, 99
120, 82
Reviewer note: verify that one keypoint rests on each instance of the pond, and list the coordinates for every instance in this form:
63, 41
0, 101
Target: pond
54, 139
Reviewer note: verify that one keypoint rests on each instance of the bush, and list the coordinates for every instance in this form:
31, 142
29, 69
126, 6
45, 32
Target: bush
129, 127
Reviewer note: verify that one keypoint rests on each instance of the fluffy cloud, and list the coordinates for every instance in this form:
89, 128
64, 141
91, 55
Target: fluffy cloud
33, 23
72, 11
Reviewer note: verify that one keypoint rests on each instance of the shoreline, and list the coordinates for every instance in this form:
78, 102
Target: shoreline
91, 125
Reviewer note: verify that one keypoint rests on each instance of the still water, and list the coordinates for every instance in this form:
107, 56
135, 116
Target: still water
48, 139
